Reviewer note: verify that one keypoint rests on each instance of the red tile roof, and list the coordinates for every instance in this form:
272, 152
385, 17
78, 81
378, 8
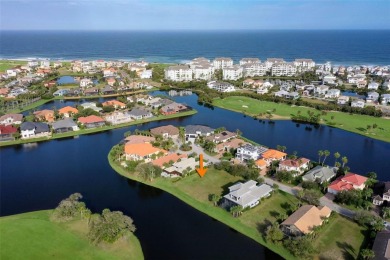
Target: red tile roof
295, 163
347, 182
90, 119
7, 129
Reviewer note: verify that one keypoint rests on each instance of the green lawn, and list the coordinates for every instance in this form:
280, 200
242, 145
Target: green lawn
349, 122
9, 64
195, 191
33, 236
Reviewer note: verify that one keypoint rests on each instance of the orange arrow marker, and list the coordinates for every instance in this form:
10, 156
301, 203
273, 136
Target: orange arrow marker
201, 171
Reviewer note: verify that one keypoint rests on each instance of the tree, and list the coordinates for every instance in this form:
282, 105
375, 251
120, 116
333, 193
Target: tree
371, 179
236, 210
344, 160
273, 233
209, 146
367, 254
238, 132
148, 171
215, 199
71, 208
300, 247
320, 154
385, 212
326, 154
336, 156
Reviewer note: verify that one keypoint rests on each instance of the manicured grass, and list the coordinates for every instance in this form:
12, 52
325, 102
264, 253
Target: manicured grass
349, 122
195, 191
33, 236
9, 64
97, 129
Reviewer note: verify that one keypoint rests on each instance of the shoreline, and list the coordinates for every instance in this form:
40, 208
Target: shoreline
95, 130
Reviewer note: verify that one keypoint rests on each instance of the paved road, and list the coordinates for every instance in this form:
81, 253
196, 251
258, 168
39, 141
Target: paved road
197, 149
324, 201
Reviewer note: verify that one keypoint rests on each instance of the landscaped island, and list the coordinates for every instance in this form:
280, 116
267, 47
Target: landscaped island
39, 235
241, 191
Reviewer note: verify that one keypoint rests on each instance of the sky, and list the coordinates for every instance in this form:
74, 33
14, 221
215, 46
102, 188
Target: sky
193, 15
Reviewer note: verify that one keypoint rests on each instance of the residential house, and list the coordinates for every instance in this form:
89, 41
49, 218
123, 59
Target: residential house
172, 108
107, 90
272, 155
114, 103
109, 72
332, 93
281, 93
385, 99
222, 62
167, 159
222, 137
34, 130
292, 95
4, 92
358, 103
320, 174
384, 196
118, 117
246, 194
61, 92
361, 83
321, 90
91, 91
138, 114
304, 220
350, 181
91, 121
234, 72
44, 115
11, 119
45, 64
221, 86
381, 245
166, 131
146, 74
250, 152
329, 79
142, 151
86, 82
372, 97
227, 146
111, 81
7, 132
343, 100
50, 84
91, 105
65, 125
298, 166
193, 131
139, 139
181, 167
68, 111
178, 73
373, 86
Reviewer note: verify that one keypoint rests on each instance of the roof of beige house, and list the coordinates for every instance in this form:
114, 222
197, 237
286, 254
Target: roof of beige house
169, 129
139, 139
307, 217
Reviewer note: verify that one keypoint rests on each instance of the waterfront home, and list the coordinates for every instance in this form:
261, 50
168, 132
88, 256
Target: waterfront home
91, 91
91, 121
222, 62
304, 220
139, 139
222, 137
107, 90
248, 82
168, 159
358, 103
272, 155
178, 73
250, 152
320, 174
381, 245
249, 61
86, 82
166, 131
227, 146
385, 99
373, 86
379, 199
332, 93
118, 117
321, 90
114, 103
11, 119
50, 84
304, 64
329, 79
297, 166
110, 81
68, 111
45, 64
44, 115
91, 105
246, 194
342, 100
65, 125
179, 168
372, 97
61, 92
138, 114
193, 131
159, 103
350, 181
234, 72
7, 132
142, 151
283, 69
34, 130
172, 108
221, 86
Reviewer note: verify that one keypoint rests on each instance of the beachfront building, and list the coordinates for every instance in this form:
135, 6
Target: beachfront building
246, 195
254, 69
232, 73
222, 62
271, 61
304, 65
221, 86
283, 69
178, 73
249, 61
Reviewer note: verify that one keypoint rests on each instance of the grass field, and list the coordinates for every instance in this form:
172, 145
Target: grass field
349, 122
195, 191
9, 64
33, 236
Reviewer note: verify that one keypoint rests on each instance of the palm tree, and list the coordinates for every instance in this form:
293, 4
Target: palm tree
385, 212
320, 154
336, 156
238, 132
326, 154
367, 254
344, 160
215, 198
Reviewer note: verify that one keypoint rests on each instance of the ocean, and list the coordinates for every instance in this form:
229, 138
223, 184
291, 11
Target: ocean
352, 47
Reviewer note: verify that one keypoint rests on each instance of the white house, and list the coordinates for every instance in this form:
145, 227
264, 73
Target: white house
342, 100
11, 119
45, 64
221, 86
281, 93
329, 79
283, 69
146, 74
247, 194
373, 86
249, 151
249, 61
34, 129
86, 82
298, 166
33, 63
178, 73
254, 69
222, 62
372, 96
332, 93
232, 73
321, 90
304, 64
385, 99
203, 72
358, 103
11, 73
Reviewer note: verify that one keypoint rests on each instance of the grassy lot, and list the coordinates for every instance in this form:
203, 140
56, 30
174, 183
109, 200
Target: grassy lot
195, 191
349, 122
95, 130
9, 64
33, 236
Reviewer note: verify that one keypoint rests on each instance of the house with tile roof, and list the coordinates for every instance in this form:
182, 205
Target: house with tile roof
272, 155
115, 103
44, 115
139, 139
11, 119
165, 131
381, 245
246, 194
7, 132
172, 108
91, 121
142, 151
350, 181
298, 166
166, 159
118, 117
68, 111
304, 220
